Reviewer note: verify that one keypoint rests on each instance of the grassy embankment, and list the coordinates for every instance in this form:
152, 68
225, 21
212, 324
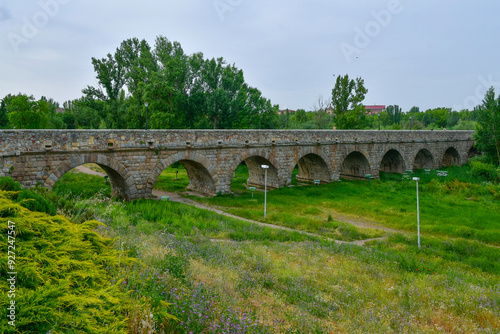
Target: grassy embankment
224, 275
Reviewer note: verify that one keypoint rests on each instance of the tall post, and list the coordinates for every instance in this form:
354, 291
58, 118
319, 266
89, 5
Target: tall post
418, 213
265, 193
146, 104
410, 122
378, 121
265, 167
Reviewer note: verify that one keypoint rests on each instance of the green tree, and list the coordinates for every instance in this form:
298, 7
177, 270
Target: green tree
395, 114
4, 120
487, 134
347, 97
26, 113
111, 79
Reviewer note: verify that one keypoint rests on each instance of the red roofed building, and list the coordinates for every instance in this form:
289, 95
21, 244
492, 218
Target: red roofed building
375, 109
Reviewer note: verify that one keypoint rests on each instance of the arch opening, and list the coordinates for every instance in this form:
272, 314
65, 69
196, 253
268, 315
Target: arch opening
256, 174
185, 175
312, 167
92, 178
472, 152
392, 162
423, 160
355, 166
451, 158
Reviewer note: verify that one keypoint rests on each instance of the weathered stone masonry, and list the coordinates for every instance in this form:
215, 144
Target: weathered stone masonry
133, 159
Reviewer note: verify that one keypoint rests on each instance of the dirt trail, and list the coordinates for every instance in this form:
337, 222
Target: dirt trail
86, 170
175, 197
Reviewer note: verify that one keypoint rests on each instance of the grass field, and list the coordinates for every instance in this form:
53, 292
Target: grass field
222, 275
448, 207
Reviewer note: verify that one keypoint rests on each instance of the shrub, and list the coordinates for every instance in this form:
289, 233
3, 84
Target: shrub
8, 184
35, 202
61, 285
485, 171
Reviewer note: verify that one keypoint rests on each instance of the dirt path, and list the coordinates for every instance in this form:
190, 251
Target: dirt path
174, 197
86, 170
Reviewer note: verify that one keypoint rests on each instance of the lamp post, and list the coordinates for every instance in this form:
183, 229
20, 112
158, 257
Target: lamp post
146, 104
418, 212
378, 121
265, 167
410, 122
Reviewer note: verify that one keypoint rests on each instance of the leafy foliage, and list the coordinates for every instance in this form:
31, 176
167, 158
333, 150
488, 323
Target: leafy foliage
61, 286
347, 97
182, 91
488, 129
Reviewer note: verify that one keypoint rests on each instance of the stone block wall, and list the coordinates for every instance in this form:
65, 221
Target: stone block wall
134, 159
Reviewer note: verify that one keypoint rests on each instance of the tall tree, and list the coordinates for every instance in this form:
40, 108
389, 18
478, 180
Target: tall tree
26, 113
347, 97
111, 79
322, 118
4, 120
488, 128
395, 114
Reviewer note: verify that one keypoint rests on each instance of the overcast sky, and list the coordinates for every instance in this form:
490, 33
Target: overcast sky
411, 53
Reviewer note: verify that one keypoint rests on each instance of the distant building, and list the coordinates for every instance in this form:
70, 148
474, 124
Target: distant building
375, 109
60, 110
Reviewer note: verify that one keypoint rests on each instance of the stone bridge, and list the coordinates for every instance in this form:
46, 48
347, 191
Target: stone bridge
133, 159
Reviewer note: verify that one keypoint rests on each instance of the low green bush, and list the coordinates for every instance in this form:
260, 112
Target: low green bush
8, 184
484, 170
61, 285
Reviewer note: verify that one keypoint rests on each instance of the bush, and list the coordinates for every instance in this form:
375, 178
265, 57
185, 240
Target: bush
35, 202
484, 170
8, 184
62, 285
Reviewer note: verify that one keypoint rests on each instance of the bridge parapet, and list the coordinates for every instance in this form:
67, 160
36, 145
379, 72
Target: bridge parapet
16, 141
133, 159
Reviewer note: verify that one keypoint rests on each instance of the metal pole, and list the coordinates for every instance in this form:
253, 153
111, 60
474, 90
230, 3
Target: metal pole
418, 218
265, 193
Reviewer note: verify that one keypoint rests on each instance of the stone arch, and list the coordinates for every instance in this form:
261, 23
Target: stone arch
451, 157
122, 182
392, 162
201, 173
254, 159
473, 151
312, 166
423, 160
256, 174
355, 166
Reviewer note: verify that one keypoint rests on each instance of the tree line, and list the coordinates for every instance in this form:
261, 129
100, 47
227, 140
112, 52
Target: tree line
181, 91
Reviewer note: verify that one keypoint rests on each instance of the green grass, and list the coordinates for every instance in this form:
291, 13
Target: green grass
79, 185
219, 273
174, 178
212, 268
448, 207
